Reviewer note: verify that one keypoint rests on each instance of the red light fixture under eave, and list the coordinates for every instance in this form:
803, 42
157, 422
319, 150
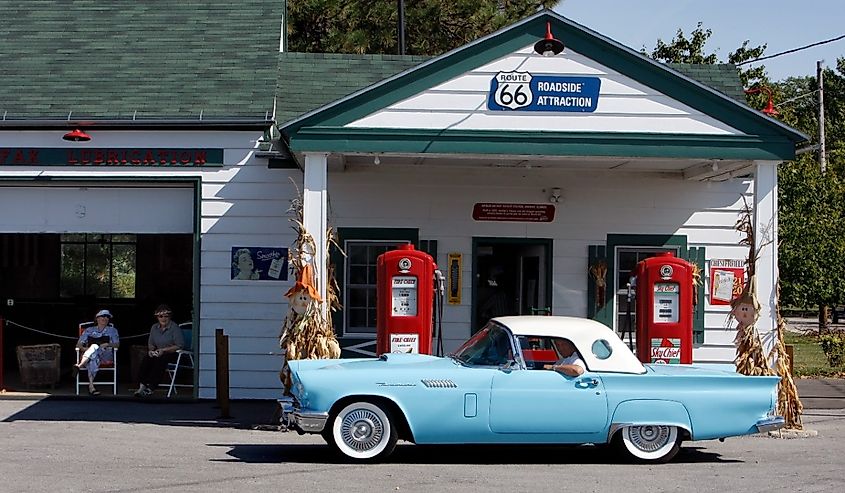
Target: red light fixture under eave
770, 105
548, 46
77, 135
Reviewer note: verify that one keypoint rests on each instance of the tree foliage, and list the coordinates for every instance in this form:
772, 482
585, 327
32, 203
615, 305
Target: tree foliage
812, 204
683, 49
432, 27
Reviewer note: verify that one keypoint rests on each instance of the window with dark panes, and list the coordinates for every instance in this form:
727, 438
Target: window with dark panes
99, 265
360, 283
627, 259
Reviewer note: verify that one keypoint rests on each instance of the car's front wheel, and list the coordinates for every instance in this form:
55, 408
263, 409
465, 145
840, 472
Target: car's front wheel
651, 443
363, 431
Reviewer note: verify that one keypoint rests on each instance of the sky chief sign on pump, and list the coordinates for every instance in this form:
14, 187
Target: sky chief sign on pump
525, 92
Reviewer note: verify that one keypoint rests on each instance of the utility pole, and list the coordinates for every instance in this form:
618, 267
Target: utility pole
822, 157
401, 26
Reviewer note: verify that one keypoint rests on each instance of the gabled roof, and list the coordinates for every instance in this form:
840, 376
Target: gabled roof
149, 60
338, 127
309, 81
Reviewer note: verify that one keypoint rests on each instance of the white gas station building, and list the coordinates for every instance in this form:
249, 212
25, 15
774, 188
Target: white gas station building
536, 182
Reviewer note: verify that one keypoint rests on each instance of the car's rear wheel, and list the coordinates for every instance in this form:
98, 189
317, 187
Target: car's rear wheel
651, 443
363, 431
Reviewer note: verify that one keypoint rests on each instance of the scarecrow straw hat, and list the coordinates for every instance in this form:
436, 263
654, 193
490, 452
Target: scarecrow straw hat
305, 281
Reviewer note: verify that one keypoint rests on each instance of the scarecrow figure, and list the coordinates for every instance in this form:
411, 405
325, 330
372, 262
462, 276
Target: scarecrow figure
306, 332
750, 359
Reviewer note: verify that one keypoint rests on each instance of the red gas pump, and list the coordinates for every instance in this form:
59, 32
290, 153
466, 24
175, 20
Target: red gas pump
664, 309
405, 291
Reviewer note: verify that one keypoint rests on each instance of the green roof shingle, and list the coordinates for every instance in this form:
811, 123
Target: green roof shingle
150, 59
723, 77
308, 81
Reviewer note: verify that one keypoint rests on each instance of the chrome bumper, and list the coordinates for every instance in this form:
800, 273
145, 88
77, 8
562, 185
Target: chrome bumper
770, 424
306, 422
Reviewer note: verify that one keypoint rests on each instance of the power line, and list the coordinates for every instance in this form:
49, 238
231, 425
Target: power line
793, 50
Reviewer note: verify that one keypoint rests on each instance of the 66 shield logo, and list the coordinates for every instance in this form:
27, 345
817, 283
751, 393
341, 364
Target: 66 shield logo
513, 90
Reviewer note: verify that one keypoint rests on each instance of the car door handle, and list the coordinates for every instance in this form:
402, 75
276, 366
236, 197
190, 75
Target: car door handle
587, 383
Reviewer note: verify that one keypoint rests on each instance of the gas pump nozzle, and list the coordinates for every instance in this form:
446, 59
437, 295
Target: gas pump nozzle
439, 282
632, 293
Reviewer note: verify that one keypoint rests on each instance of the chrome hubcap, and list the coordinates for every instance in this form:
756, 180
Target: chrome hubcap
649, 438
361, 430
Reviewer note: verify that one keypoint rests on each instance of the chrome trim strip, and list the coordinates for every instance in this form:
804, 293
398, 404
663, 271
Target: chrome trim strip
440, 383
770, 424
310, 422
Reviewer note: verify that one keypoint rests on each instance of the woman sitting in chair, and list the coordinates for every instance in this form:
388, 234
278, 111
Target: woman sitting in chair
164, 341
98, 342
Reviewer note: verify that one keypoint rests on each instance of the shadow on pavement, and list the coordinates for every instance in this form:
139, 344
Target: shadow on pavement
455, 454
243, 414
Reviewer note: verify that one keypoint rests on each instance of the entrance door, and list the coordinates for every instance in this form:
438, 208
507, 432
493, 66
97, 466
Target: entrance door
512, 277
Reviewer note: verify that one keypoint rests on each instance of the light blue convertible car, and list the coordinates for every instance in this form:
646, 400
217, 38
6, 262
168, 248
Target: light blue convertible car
495, 390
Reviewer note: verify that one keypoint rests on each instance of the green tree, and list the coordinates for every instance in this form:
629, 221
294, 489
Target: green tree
432, 27
812, 204
683, 49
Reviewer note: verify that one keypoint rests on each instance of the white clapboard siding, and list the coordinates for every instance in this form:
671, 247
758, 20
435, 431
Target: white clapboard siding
593, 205
244, 205
624, 105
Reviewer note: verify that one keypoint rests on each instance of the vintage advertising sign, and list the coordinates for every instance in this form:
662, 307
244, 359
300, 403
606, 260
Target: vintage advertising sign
42, 156
259, 263
727, 277
526, 92
528, 213
454, 289
405, 343
404, 294
665, 350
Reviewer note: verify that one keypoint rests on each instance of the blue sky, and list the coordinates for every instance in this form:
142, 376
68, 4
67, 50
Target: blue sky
781, 24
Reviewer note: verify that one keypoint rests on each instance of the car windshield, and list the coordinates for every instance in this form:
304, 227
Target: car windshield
491, 346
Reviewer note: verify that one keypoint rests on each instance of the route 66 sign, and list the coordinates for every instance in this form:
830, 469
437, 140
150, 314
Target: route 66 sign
513, 89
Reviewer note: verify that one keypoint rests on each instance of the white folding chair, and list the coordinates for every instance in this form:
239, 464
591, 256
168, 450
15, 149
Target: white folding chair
106, 368
184, 358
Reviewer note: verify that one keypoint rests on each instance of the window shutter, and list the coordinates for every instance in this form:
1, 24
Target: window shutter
695, 255
599, 299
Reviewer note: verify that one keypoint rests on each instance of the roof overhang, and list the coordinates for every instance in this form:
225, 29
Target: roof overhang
145, 124
643, 145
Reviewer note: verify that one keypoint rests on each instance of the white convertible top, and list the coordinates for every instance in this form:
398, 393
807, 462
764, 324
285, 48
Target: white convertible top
583, 333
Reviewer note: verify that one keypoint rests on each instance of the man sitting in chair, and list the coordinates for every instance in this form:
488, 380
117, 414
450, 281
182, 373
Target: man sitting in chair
164, 342
98, 342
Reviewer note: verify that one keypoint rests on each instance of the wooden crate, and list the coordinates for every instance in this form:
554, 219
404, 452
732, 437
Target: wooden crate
40, 364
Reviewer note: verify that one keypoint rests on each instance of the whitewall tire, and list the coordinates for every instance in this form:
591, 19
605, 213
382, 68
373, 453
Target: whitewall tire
651, 443
363, 431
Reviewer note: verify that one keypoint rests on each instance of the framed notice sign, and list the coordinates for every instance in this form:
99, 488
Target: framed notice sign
454, 287
727, 277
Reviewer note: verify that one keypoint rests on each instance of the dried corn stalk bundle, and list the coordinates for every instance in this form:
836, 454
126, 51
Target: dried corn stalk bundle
750, 359
749, 352
306, 333
789, 404
599, 273
696, 282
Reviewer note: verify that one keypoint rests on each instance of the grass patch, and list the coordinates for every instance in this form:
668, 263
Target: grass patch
810, 360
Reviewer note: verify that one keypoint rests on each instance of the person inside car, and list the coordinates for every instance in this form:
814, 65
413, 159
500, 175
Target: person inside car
569, 362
